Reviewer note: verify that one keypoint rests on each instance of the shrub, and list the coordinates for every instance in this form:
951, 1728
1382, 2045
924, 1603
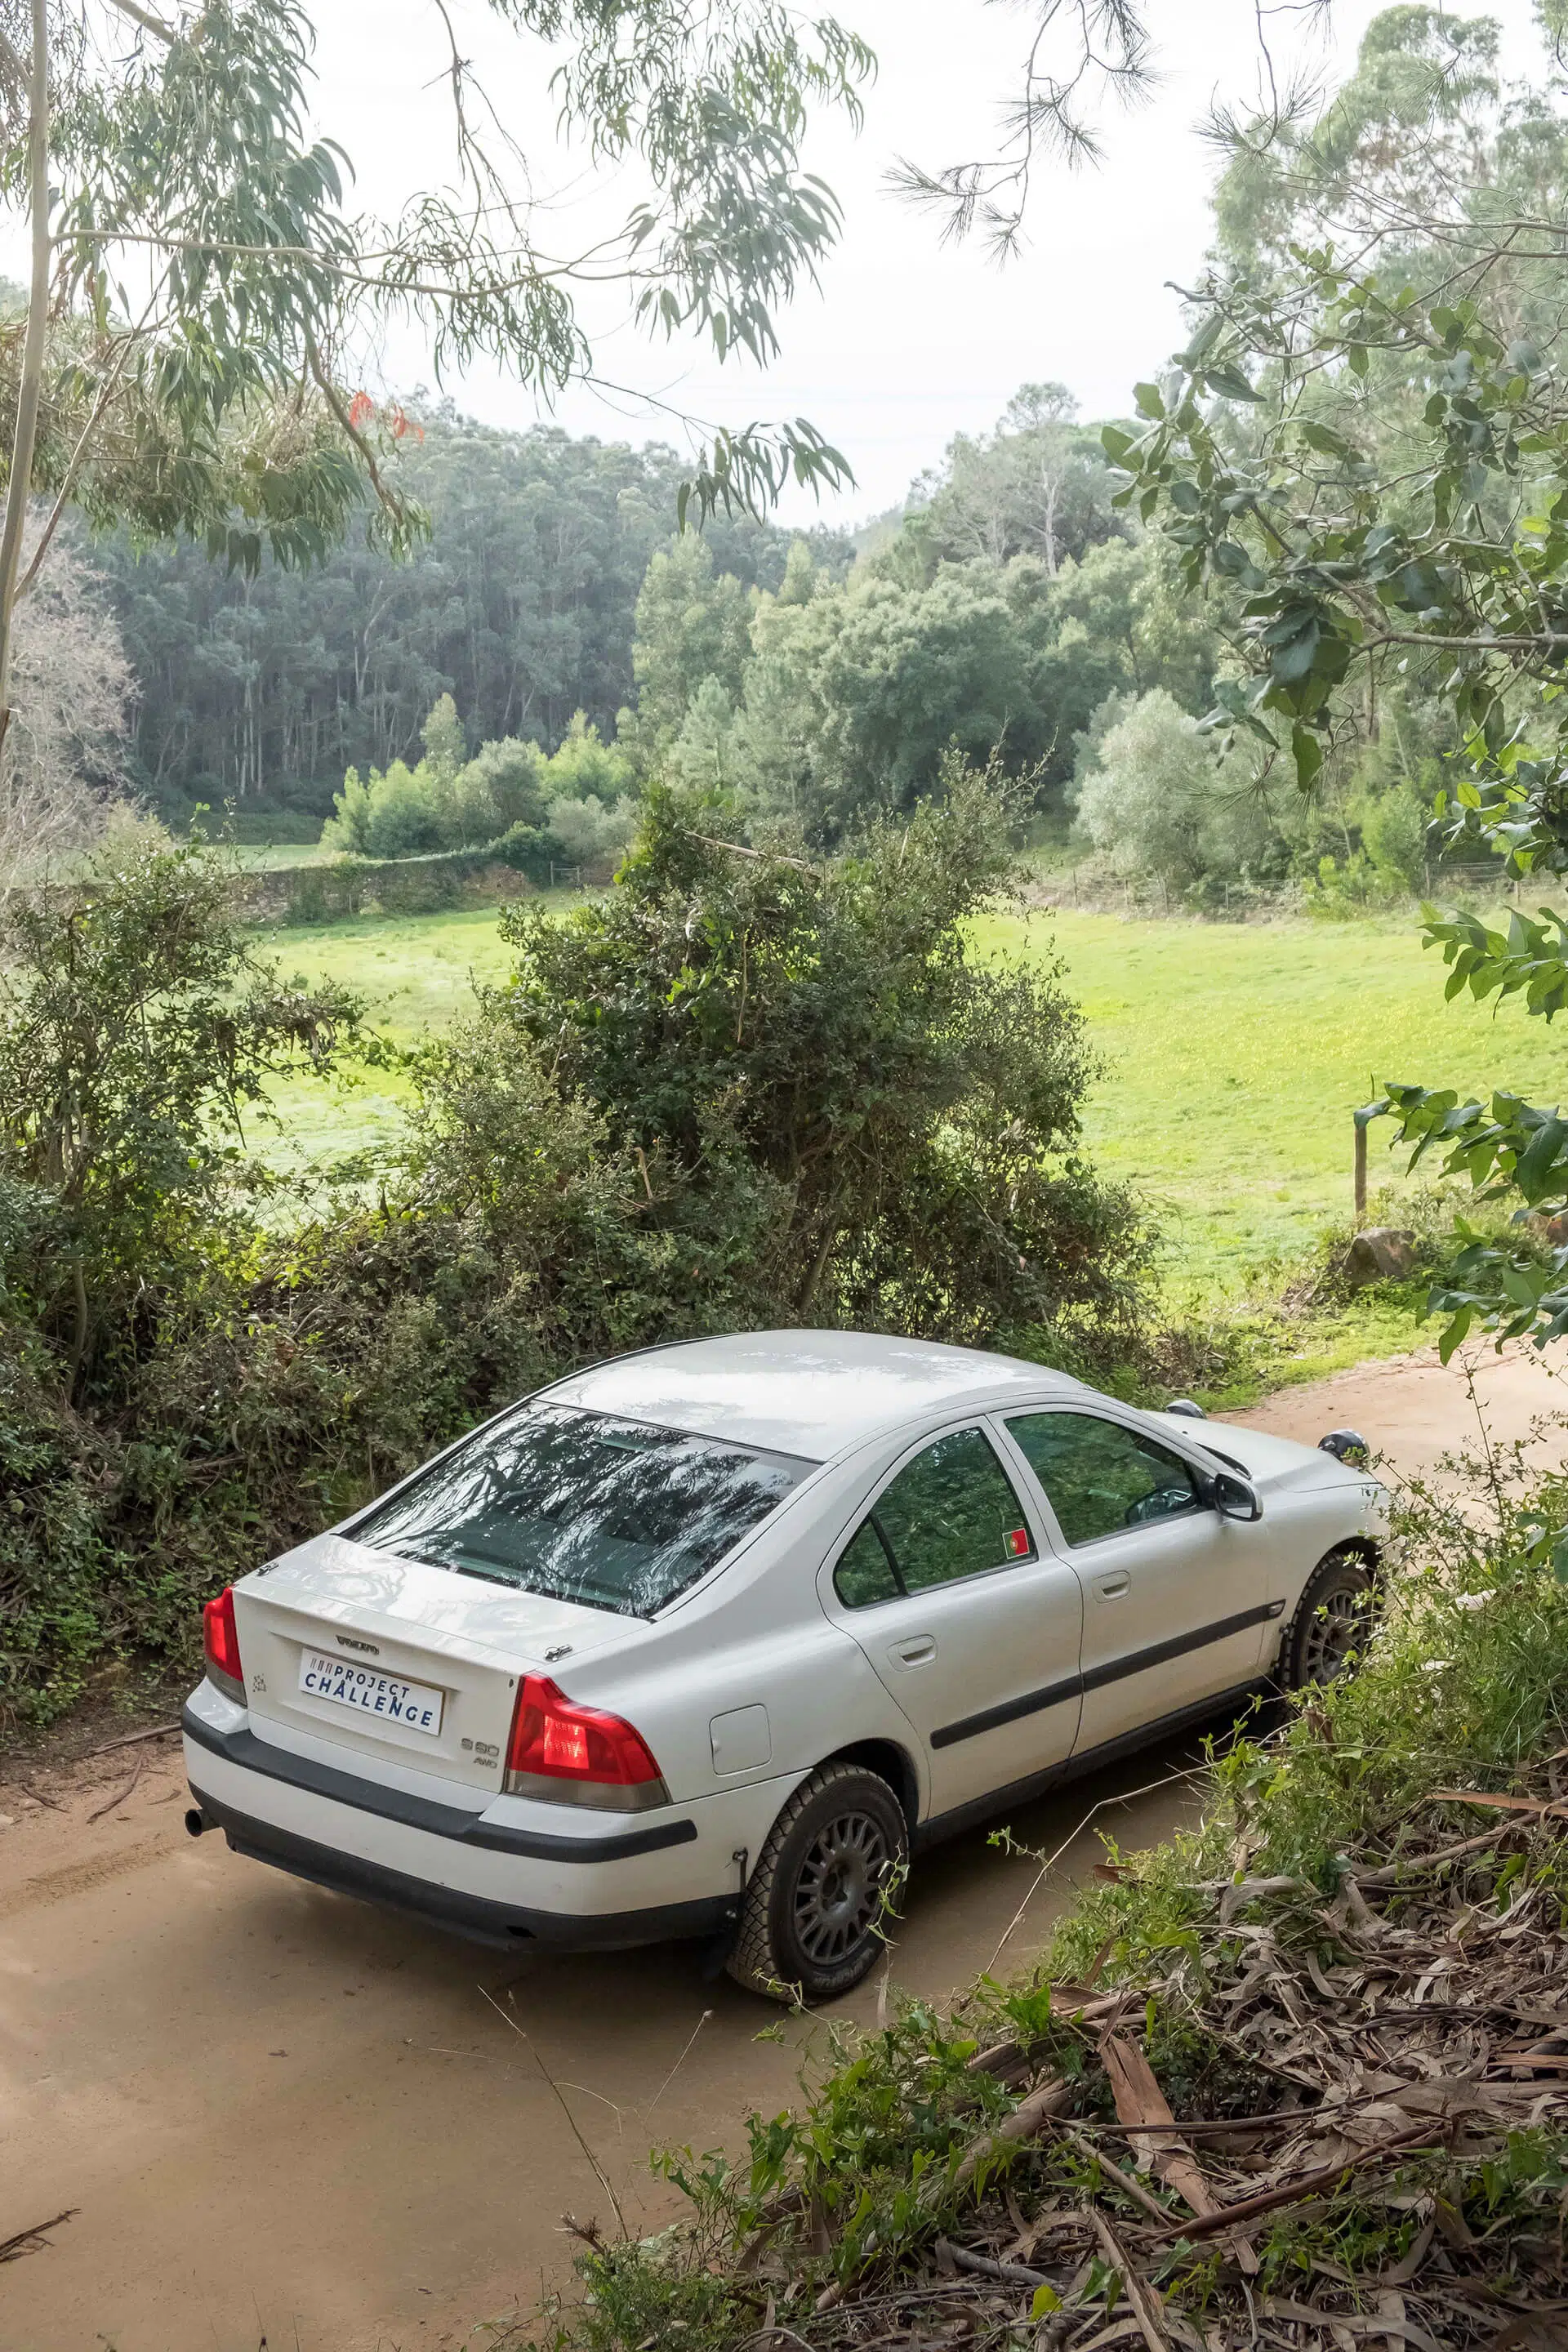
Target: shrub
577, 800
824, 1027
138, 1029
506, 781
588, 832
1156, 800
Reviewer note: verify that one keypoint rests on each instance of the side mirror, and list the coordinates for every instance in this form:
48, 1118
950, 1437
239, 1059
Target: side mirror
1233, 1499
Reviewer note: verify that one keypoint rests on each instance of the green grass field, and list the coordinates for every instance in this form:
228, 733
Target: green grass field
1234, 1055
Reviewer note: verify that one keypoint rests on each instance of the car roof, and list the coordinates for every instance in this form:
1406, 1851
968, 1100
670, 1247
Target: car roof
815, 1393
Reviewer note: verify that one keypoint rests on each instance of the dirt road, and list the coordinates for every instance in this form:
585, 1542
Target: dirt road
283, 2115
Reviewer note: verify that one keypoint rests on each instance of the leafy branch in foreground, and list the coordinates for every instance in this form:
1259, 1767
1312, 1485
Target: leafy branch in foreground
199, 285
1378, 481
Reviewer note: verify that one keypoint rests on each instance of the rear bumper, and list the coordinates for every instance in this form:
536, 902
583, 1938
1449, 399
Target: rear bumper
263, 1759
506, 1871
481, 1918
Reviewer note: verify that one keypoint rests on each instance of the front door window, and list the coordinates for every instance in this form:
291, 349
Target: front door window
1099, 1478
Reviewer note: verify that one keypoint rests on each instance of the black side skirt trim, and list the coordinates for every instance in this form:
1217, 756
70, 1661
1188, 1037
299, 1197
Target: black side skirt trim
1077, 1768
253, 1755
501, 1924
1010, 1711
1114, 1670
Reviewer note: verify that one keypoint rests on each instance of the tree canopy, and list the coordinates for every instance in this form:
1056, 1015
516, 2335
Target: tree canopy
521, 604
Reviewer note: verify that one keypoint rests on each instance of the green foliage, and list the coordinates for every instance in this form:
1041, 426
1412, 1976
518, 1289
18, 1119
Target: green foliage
138, 1030
215, 415
573, 808
691, 625
1155, 799
1377, 465
1004, 610
1205, 1029
1037, 485
915, 1113
521, 604
1417, 125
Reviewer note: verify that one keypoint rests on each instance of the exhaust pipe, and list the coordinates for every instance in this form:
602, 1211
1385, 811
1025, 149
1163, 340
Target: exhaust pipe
197, 1821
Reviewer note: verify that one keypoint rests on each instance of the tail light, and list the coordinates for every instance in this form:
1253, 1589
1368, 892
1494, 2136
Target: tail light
220, 1642
577, 1756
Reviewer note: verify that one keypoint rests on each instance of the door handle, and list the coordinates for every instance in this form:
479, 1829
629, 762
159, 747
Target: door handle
1112, 1588
917, 1650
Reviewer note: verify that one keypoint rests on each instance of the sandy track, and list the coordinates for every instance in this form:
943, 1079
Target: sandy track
282, 2115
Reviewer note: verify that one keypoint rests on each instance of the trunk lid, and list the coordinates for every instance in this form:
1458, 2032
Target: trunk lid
400, 1662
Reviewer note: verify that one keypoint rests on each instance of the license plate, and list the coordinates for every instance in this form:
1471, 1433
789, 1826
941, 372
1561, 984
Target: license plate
382, 1699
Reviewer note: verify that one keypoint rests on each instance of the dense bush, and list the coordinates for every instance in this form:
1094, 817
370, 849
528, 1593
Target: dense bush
741, 1091
825, 1028
1155, 799
573, 808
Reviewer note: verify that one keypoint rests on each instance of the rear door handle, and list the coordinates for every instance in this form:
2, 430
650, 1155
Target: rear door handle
1112, 1588
917, 1650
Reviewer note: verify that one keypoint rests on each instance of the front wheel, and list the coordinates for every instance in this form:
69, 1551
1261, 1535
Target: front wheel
819, 1892
1333, 1623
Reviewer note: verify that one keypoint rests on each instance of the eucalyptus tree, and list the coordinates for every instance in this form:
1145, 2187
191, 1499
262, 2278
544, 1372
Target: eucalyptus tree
200, 283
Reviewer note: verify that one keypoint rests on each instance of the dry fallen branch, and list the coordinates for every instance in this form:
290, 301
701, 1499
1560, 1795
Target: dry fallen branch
1294, 2192
987, 2266
1027, 2119
134, 1739
120, 1796
32, 2241
1148, 2309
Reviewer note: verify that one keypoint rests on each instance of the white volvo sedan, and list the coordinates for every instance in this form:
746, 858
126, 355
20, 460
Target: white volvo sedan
705, 1640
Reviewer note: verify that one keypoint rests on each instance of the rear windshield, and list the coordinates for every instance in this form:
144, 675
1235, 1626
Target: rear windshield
580, 1507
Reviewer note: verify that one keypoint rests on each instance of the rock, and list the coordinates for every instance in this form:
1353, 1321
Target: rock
1382, 1254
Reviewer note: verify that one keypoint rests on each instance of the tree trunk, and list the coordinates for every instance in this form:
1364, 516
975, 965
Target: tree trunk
31, 388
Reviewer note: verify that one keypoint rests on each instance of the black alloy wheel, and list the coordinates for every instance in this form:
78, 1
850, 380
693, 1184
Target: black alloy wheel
838, 1888
823, 1887
1333, 1623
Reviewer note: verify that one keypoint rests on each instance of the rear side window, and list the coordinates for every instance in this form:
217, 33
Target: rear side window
1099, 1478
580, 1507
950, 1513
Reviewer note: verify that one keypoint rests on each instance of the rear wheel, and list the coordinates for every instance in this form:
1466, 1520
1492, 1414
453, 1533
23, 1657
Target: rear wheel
821, 1887
1333, 1623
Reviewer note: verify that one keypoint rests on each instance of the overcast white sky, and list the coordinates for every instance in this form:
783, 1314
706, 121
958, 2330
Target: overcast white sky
907, 340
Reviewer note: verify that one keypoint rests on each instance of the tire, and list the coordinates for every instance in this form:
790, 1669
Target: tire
1332, 1625
813, 1903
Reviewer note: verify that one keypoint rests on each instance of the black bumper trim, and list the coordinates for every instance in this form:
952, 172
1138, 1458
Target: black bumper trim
253, 1755
503, 1925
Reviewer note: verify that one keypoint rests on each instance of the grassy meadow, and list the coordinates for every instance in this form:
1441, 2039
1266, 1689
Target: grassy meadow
1234, 1055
